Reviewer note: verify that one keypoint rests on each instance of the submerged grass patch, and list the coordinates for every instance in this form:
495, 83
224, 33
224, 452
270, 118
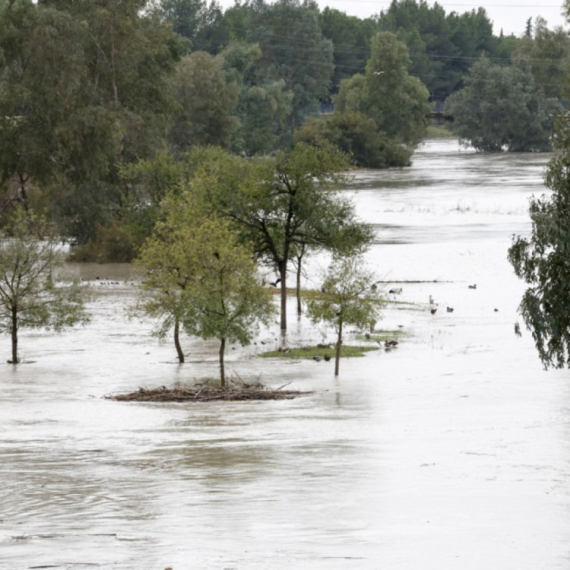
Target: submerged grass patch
319, 350
383, 335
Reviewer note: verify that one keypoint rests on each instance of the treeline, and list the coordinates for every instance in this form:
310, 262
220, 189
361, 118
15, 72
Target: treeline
94, 93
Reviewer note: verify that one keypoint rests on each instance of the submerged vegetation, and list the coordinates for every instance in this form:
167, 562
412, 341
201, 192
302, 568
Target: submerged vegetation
200, 144
325, 352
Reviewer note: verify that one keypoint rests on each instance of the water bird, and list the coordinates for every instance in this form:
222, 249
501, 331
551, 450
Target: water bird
276, 282
317, 358
391, 344
327, 357
474, 286
496, 310
450, 309
433, 310
396, 291
374, 287
367, 336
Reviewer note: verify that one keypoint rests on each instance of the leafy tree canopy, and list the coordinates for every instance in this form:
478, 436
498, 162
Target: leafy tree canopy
543, 260
348, 297
34, 293
200, 277
547, 53
500, 108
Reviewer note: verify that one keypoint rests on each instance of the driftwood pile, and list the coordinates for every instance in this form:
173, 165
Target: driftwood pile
206, 394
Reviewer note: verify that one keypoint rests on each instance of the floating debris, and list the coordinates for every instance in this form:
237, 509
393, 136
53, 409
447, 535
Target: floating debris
206, 394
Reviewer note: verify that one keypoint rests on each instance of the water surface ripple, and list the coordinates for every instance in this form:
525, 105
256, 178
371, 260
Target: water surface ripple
449, 452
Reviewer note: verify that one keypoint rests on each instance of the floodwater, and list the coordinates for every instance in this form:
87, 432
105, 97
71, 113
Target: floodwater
450, 452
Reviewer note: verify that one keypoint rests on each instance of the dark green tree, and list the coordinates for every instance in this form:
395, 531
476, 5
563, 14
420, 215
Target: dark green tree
543, 260
548, 56
350, 37
84, 89
206, 101
394, 100
442, 46
500, 108
295, 51
198, 21
282, 204
264, 105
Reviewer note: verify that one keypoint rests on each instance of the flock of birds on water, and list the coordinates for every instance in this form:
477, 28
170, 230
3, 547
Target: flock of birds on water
387, 344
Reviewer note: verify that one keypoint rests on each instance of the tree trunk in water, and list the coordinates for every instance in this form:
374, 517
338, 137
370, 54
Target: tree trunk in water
298, 291
337, 353
177, 341
283, 276
14, 334
222, 371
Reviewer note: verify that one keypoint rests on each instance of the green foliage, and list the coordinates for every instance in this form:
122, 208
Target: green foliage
294, 51
443, 46
200, 277
283, 204
395, 102
547, 54
356, 135
500, 108
264, 105
206, 101
146, 184
197, 21
543, 260
84, 89
34, 293
348, 297
350, 37
346, 351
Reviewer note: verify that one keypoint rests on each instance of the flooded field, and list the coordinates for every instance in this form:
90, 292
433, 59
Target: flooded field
450, 452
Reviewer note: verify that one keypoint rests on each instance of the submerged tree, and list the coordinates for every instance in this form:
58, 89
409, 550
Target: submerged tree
543, 260
280, 205
200, 279
34, 292
348, 297
380, 116
501, 108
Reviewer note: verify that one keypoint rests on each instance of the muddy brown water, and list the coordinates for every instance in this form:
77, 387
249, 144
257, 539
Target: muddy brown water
449, 452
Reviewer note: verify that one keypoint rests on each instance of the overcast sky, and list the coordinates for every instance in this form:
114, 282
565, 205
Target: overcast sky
508, 15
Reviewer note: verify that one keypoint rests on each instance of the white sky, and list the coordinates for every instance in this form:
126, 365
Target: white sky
510, 15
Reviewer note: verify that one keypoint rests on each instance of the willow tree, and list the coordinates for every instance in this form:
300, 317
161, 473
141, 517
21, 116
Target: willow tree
348, 297
543, 260
34, 291
200, 278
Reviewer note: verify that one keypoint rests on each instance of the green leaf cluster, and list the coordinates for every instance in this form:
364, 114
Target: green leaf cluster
380, 116
34, 292
348, 297
198, 275
501, 108
543, 260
